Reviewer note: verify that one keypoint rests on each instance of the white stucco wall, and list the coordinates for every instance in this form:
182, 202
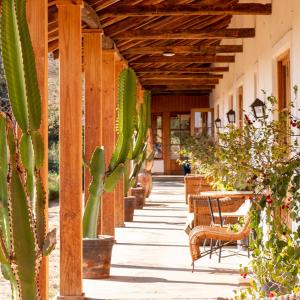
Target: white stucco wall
274, 35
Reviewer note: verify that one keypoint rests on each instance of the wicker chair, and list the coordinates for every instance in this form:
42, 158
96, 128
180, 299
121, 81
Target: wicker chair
194, 184
200, 233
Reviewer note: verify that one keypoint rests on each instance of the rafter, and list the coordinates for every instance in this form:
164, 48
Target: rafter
186, 9
187, 34
179, 87
145, 70
195, 81
203, 49
185, 59
180, 76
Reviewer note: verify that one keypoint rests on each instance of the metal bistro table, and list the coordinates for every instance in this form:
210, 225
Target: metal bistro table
217, 196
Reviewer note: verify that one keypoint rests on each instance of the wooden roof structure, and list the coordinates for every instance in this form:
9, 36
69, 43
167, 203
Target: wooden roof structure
173, 45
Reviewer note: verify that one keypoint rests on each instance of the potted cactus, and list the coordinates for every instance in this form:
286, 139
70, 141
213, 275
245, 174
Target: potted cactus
97, 249
23, 237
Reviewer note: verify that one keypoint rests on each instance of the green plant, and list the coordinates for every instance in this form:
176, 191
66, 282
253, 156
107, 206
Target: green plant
23, 239
138, 155
105, 179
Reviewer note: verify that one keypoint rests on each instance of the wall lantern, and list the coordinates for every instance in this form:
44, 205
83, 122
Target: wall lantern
259, 109
231, 116
218, 123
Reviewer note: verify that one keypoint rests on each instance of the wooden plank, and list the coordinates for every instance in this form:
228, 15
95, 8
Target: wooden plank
205, 49
119, 192
166, 69
108, 134
179, 87
70, 44
90, 17
92, 56
199, 81
180, 76
184, 59
186, 9
37, 16
211, 33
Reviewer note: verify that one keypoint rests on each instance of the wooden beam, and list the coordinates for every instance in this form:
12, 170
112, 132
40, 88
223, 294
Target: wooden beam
179, 87
90, 17
37, 16
186, 9
186, 34
184, 59
70, 45
178, 82
92, 57
194, 70
184, 49
180, 76
108, 134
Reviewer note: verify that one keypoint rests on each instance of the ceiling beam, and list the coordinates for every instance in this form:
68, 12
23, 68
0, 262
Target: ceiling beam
186, 34
187, 10
184, 59
204, 49
179, 87
90, 17
199, 81
180, 76
143, 70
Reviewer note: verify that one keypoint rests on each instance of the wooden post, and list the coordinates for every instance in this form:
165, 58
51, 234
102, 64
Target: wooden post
92, 49
119, 193
37, 16
108, 134
70, 44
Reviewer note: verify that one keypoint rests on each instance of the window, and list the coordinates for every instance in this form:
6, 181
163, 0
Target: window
179, 131
202, 121
157, 136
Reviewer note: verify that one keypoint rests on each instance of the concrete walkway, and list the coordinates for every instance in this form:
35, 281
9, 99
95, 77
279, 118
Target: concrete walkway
151, 259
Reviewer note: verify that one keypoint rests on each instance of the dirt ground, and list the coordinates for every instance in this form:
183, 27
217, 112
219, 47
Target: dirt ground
5, 293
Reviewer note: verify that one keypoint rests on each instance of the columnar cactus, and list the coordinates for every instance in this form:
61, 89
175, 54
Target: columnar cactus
23, 239
105, 179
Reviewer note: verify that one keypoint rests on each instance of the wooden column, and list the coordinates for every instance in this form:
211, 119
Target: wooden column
37, 16
166, 142
108, 134
70, 44
92, 49
119, 192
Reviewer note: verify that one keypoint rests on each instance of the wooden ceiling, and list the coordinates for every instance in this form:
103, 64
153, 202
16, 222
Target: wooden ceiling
148, 32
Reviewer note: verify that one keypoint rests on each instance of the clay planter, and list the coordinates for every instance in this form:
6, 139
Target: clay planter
97, 257
138, 192
130, 204
145, 179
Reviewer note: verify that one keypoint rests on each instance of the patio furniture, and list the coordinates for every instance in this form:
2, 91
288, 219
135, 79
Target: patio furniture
194, 184
200, 233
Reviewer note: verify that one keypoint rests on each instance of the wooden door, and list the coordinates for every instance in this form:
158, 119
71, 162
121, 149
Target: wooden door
202, 121
179, 130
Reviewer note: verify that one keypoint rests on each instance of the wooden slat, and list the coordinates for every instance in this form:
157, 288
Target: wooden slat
179, 87
199, 81
37, 16
186, 9
185, 59
207, 49
187, 34
180, 76
70, 44
145, 70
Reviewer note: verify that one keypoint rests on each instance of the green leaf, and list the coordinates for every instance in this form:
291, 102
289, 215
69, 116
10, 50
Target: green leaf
38, 147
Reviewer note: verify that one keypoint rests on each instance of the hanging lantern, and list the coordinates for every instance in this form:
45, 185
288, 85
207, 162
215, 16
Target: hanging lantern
231, 116
259, 109
218, 123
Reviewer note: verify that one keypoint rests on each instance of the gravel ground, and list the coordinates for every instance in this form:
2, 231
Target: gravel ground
5, 293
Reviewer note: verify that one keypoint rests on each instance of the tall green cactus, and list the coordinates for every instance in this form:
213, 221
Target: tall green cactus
23, 239
105, 179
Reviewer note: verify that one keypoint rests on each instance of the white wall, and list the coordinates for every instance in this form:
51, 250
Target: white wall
274, 35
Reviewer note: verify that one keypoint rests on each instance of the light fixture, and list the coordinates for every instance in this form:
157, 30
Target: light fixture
168, 54
231, 116
259, 109
218, 123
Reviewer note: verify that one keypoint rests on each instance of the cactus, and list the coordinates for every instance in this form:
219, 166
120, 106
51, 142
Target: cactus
105, 179
23, 239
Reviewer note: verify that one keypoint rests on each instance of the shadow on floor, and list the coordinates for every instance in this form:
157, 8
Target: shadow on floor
154, 228
151, 245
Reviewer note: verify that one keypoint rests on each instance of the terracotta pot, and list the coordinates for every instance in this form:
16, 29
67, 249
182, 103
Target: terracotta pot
97, 257
130, 204
145, 179
138, 192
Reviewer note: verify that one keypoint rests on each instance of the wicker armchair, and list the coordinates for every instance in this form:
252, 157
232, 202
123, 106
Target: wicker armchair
194, 184
200, 233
